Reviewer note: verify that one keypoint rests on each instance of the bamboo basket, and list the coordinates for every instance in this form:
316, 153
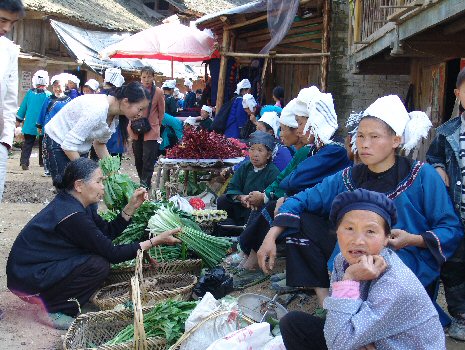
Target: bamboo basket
155, 288
93, 329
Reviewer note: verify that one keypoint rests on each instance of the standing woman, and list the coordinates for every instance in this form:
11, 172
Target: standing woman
278, 96
91, 120
145, 145
29, 112
237, 116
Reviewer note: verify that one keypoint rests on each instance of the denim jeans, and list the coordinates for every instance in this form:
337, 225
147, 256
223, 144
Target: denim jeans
57, 159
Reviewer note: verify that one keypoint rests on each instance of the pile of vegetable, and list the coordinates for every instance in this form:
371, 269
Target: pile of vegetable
165, 320
118, 187
202, 144
211, 215
211, 249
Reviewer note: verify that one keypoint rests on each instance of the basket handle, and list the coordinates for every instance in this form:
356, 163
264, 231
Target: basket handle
140, 339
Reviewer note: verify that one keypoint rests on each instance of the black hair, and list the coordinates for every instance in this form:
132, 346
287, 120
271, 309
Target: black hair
147, 69
386, 125
386, 227
78, 169
14, 6
267, 126
134, 92
198, 91
278, 92
460, 79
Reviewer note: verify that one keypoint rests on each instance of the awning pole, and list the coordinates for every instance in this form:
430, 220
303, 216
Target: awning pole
172, 68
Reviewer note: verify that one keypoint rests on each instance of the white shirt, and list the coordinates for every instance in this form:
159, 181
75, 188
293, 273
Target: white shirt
81, 122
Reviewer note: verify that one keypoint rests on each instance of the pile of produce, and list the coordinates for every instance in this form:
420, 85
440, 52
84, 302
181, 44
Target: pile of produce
197, 203
202, 144
211, 215
118, 187
211, 249
165, 320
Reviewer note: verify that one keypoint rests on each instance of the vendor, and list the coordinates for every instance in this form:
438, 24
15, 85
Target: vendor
170, 101
63, 255
91, 87
73, 86
237, 117
250, 107
91, 120
190, 99
376, 301
203, 121
254, 175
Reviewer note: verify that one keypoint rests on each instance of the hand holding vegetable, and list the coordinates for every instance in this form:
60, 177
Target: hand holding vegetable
162, 238
139, 196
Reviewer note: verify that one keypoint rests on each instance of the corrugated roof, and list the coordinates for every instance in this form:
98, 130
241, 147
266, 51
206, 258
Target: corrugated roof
121, 15
203, 7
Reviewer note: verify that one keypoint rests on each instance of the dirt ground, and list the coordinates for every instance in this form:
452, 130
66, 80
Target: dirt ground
23, 326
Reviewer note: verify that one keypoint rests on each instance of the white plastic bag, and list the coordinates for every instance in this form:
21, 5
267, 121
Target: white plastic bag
182, 203
275, 344
253, 337
213, 329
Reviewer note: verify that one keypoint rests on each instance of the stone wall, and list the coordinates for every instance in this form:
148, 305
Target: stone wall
352, 92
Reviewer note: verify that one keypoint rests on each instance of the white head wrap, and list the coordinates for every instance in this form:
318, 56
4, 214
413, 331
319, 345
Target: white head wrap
411, 126
62, 78
188, 83
170, 84
93, 84
243, 84
114, 76
191, 121
207, 109
73, 78
272, 119
287, 116
322, 120
40, 78
248, 101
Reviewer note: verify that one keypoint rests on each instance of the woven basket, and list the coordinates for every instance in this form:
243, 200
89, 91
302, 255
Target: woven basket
93, 329
190, 266
155, 288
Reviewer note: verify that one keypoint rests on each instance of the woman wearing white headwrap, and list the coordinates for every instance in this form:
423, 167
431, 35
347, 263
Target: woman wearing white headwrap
190, 97
29, 112
90, 87
238, 117
73, 86
170, 101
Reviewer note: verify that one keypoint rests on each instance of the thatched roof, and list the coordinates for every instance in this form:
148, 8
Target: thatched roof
120, 15
203, 7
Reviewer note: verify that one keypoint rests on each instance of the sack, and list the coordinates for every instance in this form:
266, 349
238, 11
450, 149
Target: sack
221, 118
253, 337
141, 126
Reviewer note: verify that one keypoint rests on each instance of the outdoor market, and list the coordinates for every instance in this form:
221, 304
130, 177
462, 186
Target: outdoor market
232, 175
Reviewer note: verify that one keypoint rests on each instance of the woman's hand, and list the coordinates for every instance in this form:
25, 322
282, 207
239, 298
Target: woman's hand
253, 118
139, 196
267, 253
244, 199
369, 267
167, 237
256, 199
400, 239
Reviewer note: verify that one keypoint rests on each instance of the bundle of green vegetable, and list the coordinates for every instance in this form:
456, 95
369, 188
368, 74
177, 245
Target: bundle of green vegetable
165, 320
159, 253
118, 187
211, 249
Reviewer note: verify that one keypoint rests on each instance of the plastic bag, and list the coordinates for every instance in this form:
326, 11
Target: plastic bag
182, 203
213, 329
275, 344
215, 281
253, 337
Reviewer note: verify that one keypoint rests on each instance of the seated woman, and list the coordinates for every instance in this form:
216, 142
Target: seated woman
204, 120
171, 132
376, 301
63, 255
325, 158
237, 117
255, 174
427, 231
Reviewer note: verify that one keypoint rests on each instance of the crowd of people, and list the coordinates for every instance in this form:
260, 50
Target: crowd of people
370, 230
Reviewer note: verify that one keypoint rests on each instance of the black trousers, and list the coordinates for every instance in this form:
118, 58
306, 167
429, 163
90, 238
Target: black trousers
237, 214
145, 155
453, 278
309, 251
26, 150
302, 331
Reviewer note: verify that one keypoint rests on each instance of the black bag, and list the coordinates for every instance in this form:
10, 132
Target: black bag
141, 126
215, 281
221, 118
247, 129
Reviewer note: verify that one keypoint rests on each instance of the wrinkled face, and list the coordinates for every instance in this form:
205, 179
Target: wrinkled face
91, 191
87, 90
361, 232
306, 138
375, 142
460, 94
259, 155
288, 135
133, 110
146, 79
7, 21
58, 88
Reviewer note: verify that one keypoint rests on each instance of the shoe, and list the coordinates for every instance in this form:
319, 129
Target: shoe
24, 167
234, 259
278, 277
457, 328
281, 287
46, 174
61, 321
245, 278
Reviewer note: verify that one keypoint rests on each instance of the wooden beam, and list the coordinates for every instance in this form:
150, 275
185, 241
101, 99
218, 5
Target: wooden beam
222, 73
278, 55
314, 62
325, 46
358, 21
246, 23
454, 27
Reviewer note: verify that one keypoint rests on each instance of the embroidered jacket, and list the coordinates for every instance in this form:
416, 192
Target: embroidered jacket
423, 207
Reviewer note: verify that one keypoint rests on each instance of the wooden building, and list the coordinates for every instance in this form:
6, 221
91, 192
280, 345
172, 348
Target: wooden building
299, 60
419, 38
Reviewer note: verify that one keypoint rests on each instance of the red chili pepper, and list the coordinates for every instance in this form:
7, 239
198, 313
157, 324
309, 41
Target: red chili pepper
197, 203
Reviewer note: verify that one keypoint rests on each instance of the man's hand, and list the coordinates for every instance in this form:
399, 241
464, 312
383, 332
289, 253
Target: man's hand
443, 175
369, 267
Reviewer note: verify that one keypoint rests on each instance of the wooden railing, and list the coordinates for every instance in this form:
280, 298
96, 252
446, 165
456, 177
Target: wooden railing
372, 15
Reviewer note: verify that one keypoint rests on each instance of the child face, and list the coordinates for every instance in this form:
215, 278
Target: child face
375, 143
361, 232
259, 155
57, 88
288, 135
87, 90
460, 94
